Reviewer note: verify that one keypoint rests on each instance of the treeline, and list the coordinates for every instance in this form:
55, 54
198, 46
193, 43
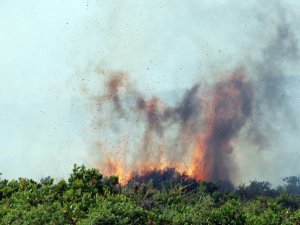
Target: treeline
158, 197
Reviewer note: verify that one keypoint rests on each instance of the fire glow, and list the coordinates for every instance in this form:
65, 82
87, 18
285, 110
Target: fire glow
194, 136
199, 135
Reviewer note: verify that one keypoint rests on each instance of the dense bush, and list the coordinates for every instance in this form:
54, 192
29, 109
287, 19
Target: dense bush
89, 198
117, 209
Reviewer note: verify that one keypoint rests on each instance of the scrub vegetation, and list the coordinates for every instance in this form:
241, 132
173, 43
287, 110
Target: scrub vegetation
158, 197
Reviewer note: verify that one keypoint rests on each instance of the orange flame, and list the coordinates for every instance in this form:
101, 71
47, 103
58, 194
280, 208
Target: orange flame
224, 114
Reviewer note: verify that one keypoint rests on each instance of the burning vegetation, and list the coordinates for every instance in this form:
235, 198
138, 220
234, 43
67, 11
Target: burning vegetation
194, 136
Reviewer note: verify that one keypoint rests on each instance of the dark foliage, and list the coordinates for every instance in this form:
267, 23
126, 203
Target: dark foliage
158, 197
166, 179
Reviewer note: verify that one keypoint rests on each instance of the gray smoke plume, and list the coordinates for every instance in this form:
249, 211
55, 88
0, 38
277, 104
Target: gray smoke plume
272, 102
198, 133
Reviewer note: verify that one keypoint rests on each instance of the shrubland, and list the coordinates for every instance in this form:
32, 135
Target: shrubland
157, 198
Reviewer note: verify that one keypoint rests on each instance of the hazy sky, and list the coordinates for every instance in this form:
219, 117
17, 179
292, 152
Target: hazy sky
48, 49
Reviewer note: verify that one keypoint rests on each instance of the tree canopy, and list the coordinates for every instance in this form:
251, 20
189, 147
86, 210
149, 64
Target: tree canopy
159, 197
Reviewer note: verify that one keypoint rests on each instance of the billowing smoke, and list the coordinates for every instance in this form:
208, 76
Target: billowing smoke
226, 112
270, 80
196, 135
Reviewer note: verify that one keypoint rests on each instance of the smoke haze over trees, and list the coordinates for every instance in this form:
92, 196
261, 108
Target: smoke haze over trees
101, 82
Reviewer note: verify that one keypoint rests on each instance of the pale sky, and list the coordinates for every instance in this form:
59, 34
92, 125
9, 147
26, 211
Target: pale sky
48, 47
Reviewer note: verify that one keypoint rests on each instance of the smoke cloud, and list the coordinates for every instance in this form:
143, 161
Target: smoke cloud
197, 133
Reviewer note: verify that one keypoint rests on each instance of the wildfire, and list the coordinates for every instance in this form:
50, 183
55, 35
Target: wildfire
194, 137
225, 114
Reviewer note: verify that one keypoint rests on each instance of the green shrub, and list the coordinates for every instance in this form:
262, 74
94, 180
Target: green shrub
229, 213
117, 209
